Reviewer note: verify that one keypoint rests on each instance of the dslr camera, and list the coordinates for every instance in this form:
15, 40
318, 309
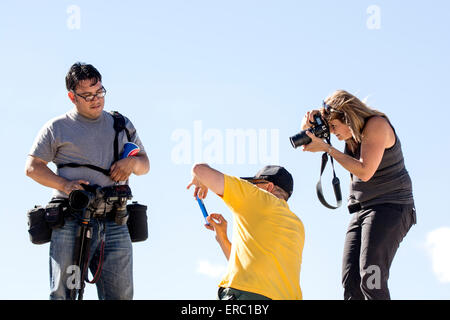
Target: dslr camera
319, 129
93, 196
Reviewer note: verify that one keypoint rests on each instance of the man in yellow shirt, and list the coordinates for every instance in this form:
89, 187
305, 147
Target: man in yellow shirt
265, 257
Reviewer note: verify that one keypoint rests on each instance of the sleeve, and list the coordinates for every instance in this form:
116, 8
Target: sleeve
44, 145
240, 195
134, 137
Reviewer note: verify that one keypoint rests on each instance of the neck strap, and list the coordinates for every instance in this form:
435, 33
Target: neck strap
335, 182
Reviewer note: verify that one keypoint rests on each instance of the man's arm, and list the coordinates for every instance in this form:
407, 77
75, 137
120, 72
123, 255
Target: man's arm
221, 232
142, 165
37, 169
204, 177
122, 169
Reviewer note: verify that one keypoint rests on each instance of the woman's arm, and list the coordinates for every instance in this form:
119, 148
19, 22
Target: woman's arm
377, 136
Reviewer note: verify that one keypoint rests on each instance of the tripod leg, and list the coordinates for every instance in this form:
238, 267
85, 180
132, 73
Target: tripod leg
81, 257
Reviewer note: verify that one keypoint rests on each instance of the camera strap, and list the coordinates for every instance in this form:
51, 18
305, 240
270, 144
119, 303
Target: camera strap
335, 182
98, 272
119, 126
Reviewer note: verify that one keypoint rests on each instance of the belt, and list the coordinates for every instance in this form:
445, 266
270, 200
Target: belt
109, 216
354, 207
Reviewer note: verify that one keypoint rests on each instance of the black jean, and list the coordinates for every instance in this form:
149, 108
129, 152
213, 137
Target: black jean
373, 237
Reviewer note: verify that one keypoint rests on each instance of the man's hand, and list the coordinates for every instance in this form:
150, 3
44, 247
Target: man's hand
37, 169
122, 169
204, 178
73, 185
218, 223
200, 189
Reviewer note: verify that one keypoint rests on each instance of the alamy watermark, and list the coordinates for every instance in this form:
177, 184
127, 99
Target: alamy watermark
74, 17
373, 280
229, 146
74, 280
374, 20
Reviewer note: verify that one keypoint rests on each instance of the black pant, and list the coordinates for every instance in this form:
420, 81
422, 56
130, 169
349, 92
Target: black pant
372, 239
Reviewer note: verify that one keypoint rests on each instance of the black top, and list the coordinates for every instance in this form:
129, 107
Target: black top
390, 183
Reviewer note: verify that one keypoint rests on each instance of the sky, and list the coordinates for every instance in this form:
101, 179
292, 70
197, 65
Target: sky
228, 82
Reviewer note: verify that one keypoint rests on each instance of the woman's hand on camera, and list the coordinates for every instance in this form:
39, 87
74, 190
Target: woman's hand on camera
316, 144
308, 118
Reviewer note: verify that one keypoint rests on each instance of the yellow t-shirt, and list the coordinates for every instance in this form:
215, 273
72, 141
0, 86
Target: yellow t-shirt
267, 243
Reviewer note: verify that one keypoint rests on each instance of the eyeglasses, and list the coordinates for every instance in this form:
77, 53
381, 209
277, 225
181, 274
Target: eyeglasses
329, 109
259, 181
91, 97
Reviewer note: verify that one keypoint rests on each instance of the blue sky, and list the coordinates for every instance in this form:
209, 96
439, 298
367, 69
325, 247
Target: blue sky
197, 70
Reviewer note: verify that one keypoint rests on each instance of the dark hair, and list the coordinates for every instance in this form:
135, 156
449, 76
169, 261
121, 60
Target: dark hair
81, 71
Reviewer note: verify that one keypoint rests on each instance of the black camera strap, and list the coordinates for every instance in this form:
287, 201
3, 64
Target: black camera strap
119, 125
90, 166
335, 182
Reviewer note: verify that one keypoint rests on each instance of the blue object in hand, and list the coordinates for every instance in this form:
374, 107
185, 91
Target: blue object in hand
202, 207
130, 149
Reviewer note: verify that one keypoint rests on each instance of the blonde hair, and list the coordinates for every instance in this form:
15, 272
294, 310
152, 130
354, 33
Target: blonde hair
351, 111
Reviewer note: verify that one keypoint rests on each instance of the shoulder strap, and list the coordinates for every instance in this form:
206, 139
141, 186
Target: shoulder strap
90, 166
119, 125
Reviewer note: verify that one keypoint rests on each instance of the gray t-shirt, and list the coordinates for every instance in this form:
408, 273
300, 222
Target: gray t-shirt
73, 138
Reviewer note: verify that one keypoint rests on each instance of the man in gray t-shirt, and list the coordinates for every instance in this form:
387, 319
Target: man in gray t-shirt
85, 135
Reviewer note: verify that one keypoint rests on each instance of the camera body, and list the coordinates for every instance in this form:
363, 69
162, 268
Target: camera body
319, 129
118, 197
95, 197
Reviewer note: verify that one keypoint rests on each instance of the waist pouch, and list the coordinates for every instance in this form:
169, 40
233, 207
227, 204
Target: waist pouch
38, 228
55, 212
41, 221
137, 222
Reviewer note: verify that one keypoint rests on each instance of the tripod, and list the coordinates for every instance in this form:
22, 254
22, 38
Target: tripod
81, 253
79, 201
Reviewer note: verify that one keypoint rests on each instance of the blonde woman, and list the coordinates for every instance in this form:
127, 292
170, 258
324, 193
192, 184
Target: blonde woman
381, 197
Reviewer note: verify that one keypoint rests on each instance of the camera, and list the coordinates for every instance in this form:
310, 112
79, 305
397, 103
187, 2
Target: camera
319, 129
94, 197
118, 196
82, 199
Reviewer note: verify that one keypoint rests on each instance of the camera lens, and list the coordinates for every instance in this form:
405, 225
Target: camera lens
79, 199
121, 217
300, 139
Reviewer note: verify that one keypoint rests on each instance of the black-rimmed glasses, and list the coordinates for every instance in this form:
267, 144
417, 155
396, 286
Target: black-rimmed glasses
91, 97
